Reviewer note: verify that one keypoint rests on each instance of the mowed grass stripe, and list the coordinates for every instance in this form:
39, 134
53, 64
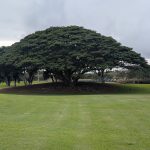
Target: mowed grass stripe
83, 126
39, 117
81, 122
64, 137
121, 122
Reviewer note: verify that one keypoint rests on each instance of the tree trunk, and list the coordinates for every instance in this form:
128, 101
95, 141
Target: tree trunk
25, 82
38, 75
102, 76
15, 82
75, 81
30, 79
52, 77
8, 81
67, 78
67, 82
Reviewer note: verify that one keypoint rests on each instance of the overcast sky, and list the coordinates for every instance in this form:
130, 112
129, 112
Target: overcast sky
128, 21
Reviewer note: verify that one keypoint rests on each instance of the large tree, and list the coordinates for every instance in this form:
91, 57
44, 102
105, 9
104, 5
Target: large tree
66, 53
61, 51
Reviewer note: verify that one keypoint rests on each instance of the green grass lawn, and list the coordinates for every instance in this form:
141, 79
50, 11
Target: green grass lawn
3, 85
21, 83
75, 122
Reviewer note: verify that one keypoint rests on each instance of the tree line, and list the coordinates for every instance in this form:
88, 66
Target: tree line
65, 54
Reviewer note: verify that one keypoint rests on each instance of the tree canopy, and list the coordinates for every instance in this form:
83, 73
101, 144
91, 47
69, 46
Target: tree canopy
65, 54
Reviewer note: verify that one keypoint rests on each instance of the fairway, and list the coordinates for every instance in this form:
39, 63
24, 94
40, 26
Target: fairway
75, 122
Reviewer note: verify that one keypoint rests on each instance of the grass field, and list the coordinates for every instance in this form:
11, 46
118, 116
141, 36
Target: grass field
21, 83
75, 122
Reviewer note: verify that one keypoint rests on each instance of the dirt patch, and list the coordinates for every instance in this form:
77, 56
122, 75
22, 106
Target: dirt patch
60, 88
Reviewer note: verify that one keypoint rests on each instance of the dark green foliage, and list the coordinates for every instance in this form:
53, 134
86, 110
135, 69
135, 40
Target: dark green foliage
66, 53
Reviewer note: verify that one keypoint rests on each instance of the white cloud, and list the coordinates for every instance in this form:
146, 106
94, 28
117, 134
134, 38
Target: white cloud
6, 43
126, 20
148, 60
